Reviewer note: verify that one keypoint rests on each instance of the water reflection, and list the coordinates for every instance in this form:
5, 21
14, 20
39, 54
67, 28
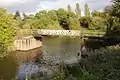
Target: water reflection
31, 55
8, 68
54, 50
27, 69
65, 48
27, 62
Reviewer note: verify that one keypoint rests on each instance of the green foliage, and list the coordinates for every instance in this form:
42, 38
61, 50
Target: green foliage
3, 50
46, 20
116, 8
86, 22
98, 23
60, 19
6, 31
113, 28
100, 64
93, 23
74, 24
95, 13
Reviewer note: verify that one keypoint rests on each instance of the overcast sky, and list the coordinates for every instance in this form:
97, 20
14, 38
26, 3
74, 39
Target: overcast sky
31, 6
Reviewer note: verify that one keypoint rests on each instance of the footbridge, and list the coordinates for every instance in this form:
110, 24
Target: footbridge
34, 39
45, 32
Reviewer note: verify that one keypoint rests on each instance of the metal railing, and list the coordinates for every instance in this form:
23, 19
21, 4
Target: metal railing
60, 32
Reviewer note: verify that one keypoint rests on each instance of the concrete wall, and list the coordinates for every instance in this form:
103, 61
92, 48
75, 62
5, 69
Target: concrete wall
27, 43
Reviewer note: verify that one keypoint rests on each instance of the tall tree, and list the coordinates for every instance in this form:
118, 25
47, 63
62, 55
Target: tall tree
17, 15
78, 10
24, 15
6, 29
87, 11
113, 28
116, 8
69, 8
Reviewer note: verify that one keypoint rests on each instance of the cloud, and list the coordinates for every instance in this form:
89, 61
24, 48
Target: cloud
29, 6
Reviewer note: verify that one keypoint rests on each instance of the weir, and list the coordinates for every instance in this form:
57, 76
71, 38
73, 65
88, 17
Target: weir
27, 43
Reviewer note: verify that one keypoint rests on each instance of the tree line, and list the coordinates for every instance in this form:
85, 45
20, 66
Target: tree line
62, 19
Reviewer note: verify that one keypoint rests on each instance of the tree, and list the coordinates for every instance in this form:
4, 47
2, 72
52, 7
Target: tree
116, 8
86, 22
74, 23
95, 13
63, 18
17, 15
24, 16
98, 23
6, 32
113, 28
53, 15
78, 10
69, 8
87, 11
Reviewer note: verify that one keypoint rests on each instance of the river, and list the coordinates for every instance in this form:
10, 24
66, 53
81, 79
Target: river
54, 49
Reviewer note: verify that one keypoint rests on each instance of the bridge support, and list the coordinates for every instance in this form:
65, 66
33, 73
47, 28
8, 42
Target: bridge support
27, 43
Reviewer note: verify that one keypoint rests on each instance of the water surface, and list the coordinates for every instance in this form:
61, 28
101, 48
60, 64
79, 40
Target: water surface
22, 63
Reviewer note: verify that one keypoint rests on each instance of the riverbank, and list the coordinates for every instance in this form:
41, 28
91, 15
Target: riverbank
101, 64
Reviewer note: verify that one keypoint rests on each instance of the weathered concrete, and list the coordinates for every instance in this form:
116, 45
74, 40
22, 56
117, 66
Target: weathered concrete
27, 43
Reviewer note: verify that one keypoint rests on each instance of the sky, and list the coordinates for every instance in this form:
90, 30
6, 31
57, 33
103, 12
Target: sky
32, 6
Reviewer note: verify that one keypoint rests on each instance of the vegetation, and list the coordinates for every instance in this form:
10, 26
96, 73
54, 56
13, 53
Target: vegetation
68, 19
6, 32
113, 20
61, 19
100, 64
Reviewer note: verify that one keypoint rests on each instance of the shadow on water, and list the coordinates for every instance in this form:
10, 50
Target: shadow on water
31, 55
101, 42
17, 64
8, 68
